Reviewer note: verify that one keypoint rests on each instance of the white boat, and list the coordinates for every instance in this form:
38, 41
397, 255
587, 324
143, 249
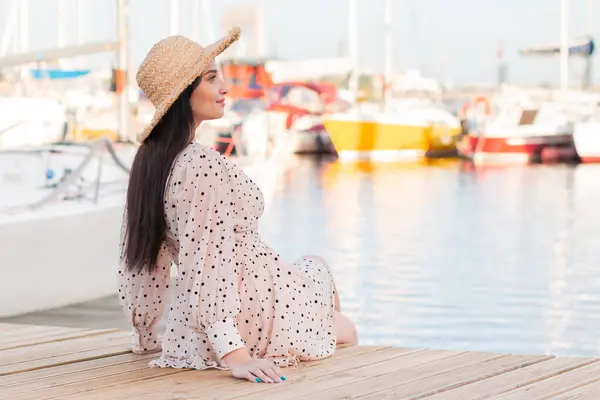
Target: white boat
61, 208
60, 216
31, 121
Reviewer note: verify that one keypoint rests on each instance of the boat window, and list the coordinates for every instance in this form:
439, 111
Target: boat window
527, 117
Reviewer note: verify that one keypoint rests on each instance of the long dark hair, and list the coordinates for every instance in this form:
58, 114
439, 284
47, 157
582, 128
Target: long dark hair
146, 224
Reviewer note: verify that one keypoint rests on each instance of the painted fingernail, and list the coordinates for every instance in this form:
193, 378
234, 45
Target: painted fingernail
283, 378
258, 380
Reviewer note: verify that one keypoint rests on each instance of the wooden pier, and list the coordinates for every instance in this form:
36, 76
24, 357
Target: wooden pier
42, 362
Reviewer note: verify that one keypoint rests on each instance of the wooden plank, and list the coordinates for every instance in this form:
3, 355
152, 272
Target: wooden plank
5, 327
64, 359
446, 379
54, 336
34, 332
313, 382
58, 348
68, 351
96, 379
499, 384
587, 392
57, 372
556, 385
371, 377
16, 330
207, 380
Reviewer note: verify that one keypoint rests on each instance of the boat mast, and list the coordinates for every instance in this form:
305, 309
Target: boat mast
388, 55
195, 13
174, 14
24, 39
353, 46
564, 45
122, 73
588, 62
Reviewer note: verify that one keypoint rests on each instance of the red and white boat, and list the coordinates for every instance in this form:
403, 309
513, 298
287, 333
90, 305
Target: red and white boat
521, 135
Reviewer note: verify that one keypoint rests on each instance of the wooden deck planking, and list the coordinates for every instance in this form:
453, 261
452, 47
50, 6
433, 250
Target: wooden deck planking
427, 383
190, 384
45, 363
366, 373
569, 381
41, 377
56, 353
49, 337
518, 378
581, 393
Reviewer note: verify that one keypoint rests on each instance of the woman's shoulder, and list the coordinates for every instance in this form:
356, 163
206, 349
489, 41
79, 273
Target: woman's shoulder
196, 154
197, 157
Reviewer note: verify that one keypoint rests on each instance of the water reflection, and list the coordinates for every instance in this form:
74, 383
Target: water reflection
444, 256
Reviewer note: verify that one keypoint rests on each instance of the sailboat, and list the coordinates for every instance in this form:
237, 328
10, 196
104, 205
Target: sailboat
523, 130
409, 129
60, 214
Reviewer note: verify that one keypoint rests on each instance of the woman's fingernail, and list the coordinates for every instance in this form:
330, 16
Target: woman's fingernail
283, 378
258, 380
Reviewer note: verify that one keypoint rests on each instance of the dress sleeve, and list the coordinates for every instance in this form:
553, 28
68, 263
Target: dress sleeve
203, 201
143, 297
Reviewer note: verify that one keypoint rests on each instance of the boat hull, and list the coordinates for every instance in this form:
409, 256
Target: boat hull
519, 150
587, 142
388, 141
61, 259
310, 142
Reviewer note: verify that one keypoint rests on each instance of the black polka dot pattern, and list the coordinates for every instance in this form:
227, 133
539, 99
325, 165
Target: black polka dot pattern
232, 290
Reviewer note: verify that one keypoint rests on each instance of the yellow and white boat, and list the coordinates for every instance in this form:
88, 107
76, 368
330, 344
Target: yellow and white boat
407, 133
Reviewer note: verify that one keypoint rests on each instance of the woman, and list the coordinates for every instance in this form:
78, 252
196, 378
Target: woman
236, 305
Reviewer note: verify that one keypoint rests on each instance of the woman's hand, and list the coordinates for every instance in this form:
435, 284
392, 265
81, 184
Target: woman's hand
243, 366
253, 370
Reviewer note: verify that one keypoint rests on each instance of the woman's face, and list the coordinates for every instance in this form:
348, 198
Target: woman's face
208, 99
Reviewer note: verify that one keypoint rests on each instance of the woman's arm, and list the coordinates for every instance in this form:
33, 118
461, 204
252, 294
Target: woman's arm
203, 201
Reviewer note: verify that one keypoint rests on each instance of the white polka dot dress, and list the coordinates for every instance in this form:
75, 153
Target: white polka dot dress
232, 290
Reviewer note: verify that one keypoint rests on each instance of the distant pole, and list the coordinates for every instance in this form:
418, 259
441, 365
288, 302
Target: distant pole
564, 45
195, 16
24, 26
24, 38
174, 14
208, 21
590, 17
590, 29
62, 23
81, 20
388, 54
122, 75
353, 45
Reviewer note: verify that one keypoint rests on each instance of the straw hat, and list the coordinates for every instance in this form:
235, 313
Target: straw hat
171, 66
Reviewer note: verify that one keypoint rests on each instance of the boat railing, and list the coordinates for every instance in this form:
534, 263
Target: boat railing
11, 127
61, 190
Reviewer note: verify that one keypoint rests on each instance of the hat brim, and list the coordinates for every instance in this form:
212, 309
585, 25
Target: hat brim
208, 55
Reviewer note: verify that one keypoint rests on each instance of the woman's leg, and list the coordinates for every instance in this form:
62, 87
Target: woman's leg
345, 330
320, 260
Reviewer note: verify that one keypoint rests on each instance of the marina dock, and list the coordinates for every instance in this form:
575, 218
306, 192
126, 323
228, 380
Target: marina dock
46, 362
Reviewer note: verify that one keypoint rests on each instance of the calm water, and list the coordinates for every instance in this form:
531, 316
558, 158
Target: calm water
443, 256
